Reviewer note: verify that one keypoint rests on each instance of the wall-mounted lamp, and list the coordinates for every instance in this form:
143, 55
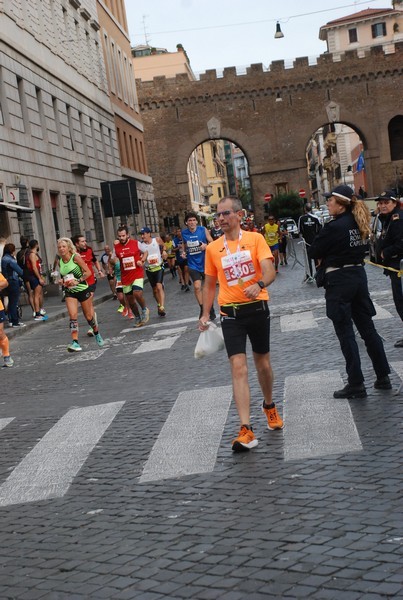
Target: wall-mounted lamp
17, 180
279, 33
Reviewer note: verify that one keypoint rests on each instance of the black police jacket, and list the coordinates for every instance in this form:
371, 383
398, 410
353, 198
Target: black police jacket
309, 226
390, 242
339, 243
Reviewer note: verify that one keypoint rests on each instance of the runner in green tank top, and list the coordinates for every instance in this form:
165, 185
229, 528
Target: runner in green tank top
74, 273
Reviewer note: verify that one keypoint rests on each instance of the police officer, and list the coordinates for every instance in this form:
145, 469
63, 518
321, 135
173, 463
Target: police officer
389, 248
309, 226
340, 247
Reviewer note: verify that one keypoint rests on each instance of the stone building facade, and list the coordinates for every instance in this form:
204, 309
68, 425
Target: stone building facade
271, 115
58, 126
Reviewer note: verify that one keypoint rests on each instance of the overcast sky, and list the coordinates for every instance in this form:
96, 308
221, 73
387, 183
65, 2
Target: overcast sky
227, 33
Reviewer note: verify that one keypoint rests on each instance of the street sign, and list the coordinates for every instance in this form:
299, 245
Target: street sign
301, 193
268, 197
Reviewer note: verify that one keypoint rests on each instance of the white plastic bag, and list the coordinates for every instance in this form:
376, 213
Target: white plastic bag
209, 341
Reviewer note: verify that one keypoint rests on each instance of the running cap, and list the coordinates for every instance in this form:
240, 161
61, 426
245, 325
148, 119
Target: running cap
388, 195
145, 230
341, 191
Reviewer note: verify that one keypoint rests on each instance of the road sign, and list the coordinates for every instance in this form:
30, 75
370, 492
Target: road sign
268, 197
301, 193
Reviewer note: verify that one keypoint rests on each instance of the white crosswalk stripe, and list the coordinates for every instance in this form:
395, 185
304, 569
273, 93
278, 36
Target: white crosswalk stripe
315, 423
5, 422
381, 313
156, 344
189, 440
48, 470
298, 321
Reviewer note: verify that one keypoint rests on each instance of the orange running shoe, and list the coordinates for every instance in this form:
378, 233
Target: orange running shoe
274, 421
125, 312
245, 440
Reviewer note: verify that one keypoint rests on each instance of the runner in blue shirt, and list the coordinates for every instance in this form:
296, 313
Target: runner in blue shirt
196, 239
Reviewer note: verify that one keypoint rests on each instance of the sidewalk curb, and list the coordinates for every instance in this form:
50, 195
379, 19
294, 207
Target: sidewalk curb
11, 332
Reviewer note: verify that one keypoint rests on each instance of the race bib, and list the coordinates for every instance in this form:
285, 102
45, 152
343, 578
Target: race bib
153, 260
128, 263
194, 247
244, 268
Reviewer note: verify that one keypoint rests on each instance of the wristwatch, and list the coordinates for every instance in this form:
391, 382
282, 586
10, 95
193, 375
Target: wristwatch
261, 284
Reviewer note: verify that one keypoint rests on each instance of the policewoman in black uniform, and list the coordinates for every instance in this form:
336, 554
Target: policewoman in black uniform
340, 247
389, 249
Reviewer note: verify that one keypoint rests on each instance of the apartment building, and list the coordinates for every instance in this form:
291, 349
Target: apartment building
128, 124
65, 121
362, 30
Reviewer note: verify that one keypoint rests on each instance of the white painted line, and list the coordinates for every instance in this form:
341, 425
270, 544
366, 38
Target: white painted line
315, 423
78, 357
189, 440
5, 422
174, 331
156, 344
381, 313
48, 470
398, 367
298, 321
162, 324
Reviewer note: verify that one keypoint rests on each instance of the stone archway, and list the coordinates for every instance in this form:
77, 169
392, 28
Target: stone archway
270, 115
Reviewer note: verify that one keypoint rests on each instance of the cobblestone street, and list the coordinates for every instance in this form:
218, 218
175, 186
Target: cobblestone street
315, 511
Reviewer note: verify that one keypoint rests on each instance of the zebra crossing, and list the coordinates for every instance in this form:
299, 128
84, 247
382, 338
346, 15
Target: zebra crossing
166, 334
315, 426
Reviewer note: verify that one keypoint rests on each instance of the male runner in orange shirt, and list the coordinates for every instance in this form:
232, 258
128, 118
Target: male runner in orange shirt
243, 264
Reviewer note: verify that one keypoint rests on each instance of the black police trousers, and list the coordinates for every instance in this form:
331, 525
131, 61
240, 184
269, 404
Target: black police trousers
348, 301
397, 293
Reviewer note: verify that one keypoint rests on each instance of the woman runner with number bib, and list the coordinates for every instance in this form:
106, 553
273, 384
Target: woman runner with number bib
74, 272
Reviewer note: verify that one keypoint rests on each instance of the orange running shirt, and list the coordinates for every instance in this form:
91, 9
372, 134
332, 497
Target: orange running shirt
253, 249
2, 278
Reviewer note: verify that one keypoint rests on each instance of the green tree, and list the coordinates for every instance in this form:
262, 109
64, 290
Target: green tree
286, 205
244, 194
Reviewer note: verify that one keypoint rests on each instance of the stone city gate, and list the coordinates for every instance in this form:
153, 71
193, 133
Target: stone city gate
271, 116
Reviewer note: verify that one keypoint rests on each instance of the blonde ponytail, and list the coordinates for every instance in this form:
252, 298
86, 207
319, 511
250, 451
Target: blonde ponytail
362, 217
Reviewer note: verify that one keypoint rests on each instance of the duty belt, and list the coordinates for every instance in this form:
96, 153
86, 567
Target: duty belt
330, 269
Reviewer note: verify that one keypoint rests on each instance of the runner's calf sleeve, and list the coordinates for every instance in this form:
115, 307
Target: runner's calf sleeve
73, 325
93, 324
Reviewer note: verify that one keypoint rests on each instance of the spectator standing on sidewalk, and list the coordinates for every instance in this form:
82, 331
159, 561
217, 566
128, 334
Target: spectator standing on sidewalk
35, 279
340, 249
12, 272
4, 343
389, 247
22, 262
243, 264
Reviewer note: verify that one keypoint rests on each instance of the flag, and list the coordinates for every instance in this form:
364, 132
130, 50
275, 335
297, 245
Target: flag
360, 163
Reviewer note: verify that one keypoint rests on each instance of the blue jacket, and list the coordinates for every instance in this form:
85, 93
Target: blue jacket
10, 268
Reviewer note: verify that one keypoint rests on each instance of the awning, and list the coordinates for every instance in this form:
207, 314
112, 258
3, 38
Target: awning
15, 207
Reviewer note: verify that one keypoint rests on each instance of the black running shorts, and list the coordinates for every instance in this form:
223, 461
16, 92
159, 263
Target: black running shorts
253, 325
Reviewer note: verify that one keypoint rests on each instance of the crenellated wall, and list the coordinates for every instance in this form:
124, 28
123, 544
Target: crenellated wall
271, 115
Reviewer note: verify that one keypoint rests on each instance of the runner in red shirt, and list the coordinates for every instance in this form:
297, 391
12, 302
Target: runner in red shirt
88, 256
90, 260
132, 274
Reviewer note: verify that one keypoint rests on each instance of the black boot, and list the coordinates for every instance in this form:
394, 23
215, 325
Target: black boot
383, 383
351, 391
